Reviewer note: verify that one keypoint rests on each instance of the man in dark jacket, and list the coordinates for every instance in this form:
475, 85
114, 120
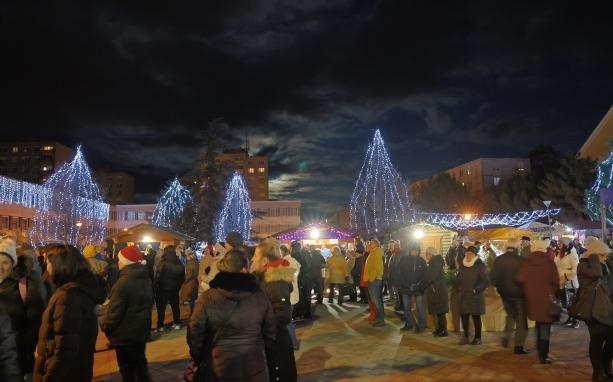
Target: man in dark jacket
303, 308
502, 276
394, 275
128, 319
413, 268
317, 263
169, 277
450, 257
356, 272
9, 366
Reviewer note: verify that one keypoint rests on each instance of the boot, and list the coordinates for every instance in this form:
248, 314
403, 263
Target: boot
600, 376
519, 350
543, 350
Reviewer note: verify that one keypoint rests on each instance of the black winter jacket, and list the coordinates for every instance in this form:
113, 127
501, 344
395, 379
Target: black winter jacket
170, 273
472, 282
67, 336
503, 275
435, 286
412, 270
276, 282
238, 353
9, 366
128, 318
25, 318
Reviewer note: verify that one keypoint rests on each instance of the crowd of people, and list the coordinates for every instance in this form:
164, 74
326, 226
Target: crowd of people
244, 301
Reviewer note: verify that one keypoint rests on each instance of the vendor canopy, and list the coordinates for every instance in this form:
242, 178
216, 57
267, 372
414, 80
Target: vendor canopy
503, 233
153, 233
315, 231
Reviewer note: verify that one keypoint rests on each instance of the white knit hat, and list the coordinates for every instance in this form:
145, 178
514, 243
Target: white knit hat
597, 246
539, 245
9, 248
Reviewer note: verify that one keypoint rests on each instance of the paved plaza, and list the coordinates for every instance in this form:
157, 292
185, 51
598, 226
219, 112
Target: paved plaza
342, 346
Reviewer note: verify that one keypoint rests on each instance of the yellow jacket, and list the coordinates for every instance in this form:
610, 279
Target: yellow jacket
373, 269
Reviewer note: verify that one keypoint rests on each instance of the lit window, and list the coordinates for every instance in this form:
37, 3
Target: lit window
261, 169
47, 148
496, 180
463, 184
15, 149
468, 172
251, 170
520, 166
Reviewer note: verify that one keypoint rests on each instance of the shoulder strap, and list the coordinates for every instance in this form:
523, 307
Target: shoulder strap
23, 289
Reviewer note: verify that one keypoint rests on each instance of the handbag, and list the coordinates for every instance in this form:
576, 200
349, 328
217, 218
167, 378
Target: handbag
198, 372
555, 309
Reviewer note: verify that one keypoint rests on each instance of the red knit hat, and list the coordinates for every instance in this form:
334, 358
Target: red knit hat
130, 255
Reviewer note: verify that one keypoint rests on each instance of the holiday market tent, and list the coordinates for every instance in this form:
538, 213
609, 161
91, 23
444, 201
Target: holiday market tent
428, 235
316, 234
149, 233
501, 234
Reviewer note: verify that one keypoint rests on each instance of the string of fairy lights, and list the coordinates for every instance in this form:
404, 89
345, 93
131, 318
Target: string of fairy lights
235, 214
171, 204
466, 221
380, 199
72, 211
604, 180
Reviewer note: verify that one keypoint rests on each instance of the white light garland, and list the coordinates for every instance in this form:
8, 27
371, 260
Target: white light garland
380, 198
25, 194
458, 221
236, 212
171, 204
73, 211
604, 180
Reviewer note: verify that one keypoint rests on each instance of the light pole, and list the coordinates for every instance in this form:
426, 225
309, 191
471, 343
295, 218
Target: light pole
547, 203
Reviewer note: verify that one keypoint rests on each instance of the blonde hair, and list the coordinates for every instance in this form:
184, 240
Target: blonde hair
270, 249
336, 251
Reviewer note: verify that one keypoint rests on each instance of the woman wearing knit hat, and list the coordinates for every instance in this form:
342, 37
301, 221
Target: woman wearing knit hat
594, 306
21, 296
128, 319
472, 281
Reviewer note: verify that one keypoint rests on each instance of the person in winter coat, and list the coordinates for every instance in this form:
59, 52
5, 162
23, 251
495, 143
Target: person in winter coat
472, 281
412, 269
435, 287
539, 278
317, 264
503, 274
339, 274
295, 295
490, 255
393, 276
169, 277
275, 276
128, 318
373, 275
232, 323
189, 289
67, 336
524, 250
452, 252
21, 297
593, 272
567, 260
9, 365
303, 309
99, 266
360, 258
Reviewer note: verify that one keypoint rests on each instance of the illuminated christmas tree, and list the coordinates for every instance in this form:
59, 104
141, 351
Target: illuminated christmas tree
235, 214
74, 212
171, 205
604, 180
380, 199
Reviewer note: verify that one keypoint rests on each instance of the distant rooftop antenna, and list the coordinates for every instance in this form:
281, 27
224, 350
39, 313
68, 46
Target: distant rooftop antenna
247, 142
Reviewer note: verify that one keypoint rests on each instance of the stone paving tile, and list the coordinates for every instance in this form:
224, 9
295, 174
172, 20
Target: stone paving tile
341, 346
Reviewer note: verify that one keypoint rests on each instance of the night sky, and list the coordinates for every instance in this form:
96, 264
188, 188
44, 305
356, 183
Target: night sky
307, 82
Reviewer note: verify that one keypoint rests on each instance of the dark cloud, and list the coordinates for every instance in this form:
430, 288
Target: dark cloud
306, 82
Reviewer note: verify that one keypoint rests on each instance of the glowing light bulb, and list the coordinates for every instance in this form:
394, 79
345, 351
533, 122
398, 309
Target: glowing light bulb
315, 233
418, 234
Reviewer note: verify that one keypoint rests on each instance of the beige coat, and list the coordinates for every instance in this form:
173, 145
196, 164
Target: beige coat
338, 269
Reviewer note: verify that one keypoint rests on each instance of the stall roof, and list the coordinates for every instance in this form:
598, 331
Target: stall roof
503, 233
157, 233
305, 231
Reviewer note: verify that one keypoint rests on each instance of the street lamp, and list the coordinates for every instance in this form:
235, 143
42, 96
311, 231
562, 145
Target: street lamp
547, 203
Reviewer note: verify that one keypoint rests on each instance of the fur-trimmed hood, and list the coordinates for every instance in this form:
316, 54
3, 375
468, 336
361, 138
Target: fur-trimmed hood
237, 282
279, 270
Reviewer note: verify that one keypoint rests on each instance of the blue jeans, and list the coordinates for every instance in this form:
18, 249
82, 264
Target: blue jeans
374, 293
291, 328
409, 320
